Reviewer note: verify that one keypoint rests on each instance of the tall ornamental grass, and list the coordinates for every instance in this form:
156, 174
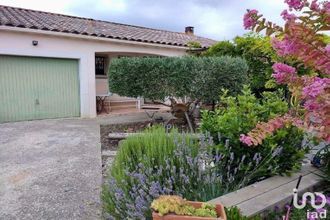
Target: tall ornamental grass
151, 148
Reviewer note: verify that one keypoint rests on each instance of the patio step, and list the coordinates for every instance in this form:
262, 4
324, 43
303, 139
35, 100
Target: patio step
122, 104
275, 191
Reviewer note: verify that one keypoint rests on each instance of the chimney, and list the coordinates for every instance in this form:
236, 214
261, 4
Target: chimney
189, 30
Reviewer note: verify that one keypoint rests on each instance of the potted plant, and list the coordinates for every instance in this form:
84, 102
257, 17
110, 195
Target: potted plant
168, 207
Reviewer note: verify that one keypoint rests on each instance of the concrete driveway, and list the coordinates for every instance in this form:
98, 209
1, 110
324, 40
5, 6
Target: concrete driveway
50, 169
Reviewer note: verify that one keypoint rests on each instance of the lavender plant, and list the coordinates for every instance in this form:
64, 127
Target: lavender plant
196, 176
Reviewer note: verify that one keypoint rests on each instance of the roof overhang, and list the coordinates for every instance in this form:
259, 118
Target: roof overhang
92, 38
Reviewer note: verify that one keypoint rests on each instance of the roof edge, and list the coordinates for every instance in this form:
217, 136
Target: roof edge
92, 19
88, 37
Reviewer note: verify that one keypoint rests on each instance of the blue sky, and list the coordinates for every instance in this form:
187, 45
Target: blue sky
216, 19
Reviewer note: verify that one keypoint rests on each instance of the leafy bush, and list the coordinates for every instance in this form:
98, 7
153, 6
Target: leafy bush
233, 213
213, 74
239, 114
183, 167
157, 78
222, 48
258, 53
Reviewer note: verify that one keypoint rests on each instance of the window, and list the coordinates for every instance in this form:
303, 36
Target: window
99, 65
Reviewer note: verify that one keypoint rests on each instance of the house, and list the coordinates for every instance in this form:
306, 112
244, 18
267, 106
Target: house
54, 65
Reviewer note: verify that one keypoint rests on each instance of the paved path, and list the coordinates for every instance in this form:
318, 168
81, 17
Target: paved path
51, 169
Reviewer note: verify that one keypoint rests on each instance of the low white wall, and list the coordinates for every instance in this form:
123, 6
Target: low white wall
18, 41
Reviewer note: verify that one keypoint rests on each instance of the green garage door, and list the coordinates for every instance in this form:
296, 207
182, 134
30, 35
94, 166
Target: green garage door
38, 88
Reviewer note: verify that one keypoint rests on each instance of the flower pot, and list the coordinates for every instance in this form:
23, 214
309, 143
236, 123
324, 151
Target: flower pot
219, 209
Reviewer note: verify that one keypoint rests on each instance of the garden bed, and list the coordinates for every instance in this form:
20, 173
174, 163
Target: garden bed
135, 127
110, 145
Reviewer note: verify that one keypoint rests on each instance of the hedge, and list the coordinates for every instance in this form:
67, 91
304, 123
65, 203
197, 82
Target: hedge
200, 78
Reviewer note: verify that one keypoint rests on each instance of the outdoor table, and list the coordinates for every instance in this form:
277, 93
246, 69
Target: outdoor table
100, 102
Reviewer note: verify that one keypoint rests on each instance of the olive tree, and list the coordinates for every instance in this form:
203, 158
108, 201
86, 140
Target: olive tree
199, 78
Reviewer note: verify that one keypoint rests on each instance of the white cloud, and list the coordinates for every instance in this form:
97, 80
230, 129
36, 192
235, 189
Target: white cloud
112, 5
58, 6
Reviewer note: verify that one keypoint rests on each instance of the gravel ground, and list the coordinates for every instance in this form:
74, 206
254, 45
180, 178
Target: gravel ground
51, 169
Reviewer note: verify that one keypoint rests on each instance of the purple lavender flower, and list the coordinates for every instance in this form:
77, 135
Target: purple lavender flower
119, 194
140, 177
217, 158
320, 210
287, 206
277, 151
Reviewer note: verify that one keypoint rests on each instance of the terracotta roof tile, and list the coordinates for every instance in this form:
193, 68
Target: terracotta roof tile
26, 18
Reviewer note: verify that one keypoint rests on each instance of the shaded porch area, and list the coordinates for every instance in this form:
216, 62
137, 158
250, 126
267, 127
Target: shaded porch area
108, 102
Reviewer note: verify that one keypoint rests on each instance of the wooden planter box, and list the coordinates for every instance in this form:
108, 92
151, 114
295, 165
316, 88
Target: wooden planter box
219, 209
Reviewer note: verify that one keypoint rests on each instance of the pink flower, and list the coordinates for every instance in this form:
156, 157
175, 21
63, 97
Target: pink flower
298, 123
326, 7
316, 88
250, 19
315, 6
311, 105
320, 210
277, 123
284, 73
285, 47
295, 4
246, 140
327, 49
288, 17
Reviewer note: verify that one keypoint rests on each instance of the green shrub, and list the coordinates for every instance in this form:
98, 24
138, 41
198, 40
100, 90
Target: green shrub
258, 53
194, 77
213, 74
233, 213
238, 115
222, 48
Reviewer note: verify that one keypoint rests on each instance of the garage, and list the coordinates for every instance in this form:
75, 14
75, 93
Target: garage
38, 88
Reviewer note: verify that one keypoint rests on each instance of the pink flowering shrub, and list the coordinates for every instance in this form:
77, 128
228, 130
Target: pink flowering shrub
264, 129
284, 73
295, 4
301, 40
287, 16
250, 19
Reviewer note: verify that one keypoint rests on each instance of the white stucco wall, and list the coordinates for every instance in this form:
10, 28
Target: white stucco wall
18, 41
